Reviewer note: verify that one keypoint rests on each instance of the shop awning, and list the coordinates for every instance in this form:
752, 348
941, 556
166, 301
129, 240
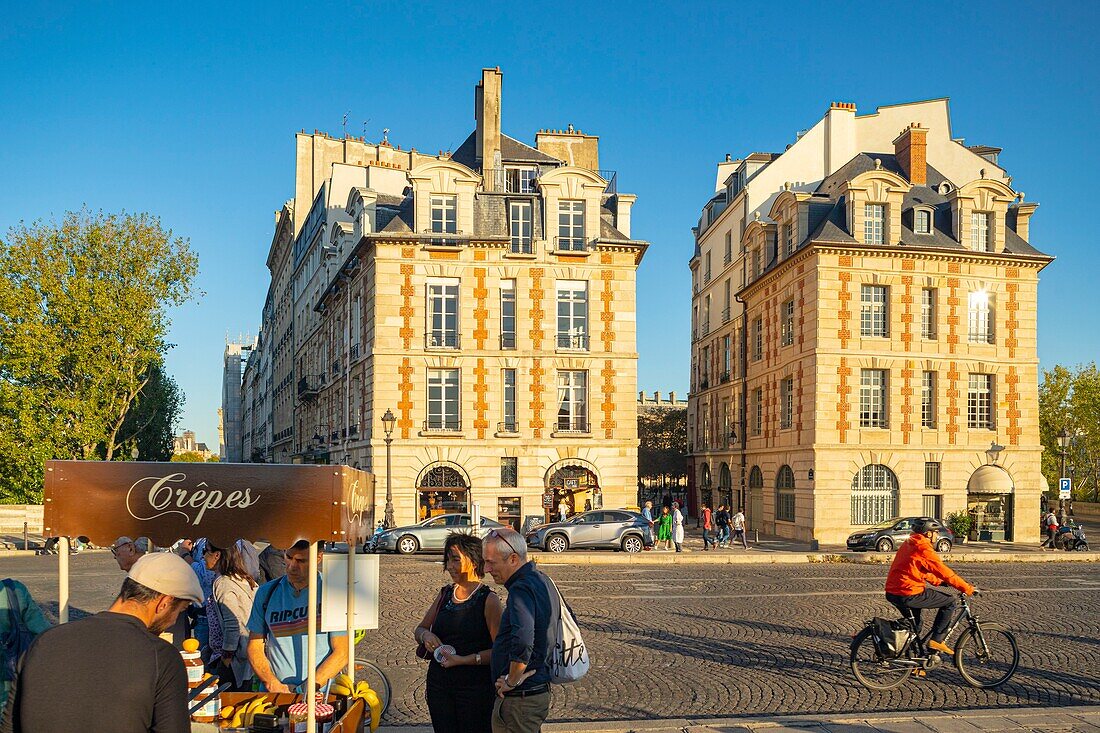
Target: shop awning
989, 480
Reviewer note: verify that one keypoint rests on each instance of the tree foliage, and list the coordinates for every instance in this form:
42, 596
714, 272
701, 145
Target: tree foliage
83, 321
662, 450
150, 424
1069, 398
189, 456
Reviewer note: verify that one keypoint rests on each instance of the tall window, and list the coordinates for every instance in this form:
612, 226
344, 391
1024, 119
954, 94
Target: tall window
443, 400
922, 221
519, 217
443, 314
444, 214
572, 314
507, 314
932, 478
757, 411
509, 472
786, 332
573, 401
979, 402
756, 267
508, 378
792, 227
726, 302
874, 219
571, 224
727, 357
729, 248
784, 495
874, 495
786, 403
873, 311
928, 313
980, 310
872, 398
758, 339
980, 232
928, 400
706, 268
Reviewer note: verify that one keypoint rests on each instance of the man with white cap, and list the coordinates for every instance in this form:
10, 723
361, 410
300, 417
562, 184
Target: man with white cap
111, 672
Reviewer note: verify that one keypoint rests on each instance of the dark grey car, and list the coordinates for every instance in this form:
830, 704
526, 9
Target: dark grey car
888, 536
618, 529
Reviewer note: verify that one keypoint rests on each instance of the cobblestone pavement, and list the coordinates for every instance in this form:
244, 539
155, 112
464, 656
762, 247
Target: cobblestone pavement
716, 641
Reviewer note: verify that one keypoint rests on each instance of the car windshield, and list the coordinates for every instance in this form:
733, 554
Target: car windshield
888, 524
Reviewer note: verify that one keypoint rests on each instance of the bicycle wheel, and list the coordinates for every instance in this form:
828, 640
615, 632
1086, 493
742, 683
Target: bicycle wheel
869, 667
377, 680
988, 661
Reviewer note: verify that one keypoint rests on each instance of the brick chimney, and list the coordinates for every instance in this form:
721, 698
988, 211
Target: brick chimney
911, 149
487, 115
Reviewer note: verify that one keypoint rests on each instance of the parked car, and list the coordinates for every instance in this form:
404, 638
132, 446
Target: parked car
888, 536
618, 529
429, 534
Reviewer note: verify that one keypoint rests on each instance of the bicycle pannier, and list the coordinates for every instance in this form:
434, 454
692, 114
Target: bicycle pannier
891, 636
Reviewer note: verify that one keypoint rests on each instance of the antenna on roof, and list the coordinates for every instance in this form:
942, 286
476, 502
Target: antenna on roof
365, 127
385, 135
345, 122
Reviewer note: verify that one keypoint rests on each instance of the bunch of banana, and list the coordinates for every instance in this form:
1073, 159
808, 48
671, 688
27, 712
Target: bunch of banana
241, 714
342, 685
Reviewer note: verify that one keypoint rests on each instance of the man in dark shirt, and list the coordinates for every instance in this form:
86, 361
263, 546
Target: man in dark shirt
524, 643
111, 672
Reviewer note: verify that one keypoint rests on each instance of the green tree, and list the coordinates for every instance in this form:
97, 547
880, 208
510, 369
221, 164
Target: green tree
662, 449
83, 319
150, 423
1069, 399
189, 456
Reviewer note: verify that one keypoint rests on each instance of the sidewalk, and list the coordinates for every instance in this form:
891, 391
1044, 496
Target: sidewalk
1083, 719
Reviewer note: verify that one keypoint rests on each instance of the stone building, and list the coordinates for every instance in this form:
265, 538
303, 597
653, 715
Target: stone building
864, 332
485, 298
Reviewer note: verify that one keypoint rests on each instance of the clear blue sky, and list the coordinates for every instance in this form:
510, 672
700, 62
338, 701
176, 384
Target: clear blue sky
188, 111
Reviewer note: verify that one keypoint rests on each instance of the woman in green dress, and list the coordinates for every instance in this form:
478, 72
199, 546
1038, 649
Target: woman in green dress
664, 529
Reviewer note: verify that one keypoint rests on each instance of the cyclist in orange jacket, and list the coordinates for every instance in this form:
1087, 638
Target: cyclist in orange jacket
914, 564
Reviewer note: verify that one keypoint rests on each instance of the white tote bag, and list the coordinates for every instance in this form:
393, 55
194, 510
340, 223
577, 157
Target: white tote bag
569, 660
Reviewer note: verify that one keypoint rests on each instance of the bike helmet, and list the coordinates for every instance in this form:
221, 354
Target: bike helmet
921, 526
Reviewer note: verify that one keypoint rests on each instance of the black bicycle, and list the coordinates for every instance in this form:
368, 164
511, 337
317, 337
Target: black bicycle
986, 654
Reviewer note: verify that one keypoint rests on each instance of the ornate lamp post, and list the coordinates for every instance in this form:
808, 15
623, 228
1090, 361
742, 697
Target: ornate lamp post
1063, 443
388, 421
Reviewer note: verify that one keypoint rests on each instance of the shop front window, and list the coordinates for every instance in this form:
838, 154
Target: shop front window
991, 516
578, 486
442, 490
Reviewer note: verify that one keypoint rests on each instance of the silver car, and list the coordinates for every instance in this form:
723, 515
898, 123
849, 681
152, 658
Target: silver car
429, 534
618, 529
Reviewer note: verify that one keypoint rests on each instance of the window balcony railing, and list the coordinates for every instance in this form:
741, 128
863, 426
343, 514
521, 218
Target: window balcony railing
445, 239
576, 342
727, 259
724, 377
523, 246
509, 180
576, 425
706, 327
612, 178
706, 278
726, 314
441, 340
694, 334
309, 387
570, 244
508, 340
507, 426
704, 383
442, 425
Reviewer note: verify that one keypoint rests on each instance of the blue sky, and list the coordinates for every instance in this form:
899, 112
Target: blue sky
188, 112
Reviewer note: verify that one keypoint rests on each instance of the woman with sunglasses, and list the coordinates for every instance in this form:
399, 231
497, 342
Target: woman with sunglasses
227, 612
458, 632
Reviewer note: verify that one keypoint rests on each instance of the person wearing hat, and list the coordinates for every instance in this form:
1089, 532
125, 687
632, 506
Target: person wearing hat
111, 672
127, 551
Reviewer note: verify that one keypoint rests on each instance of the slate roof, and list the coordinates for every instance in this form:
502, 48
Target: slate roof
511, 151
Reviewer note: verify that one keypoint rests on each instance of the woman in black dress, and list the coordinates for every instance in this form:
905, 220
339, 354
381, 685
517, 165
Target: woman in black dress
464, 617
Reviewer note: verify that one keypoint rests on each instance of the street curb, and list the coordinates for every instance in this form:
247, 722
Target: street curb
18, 553
790, 558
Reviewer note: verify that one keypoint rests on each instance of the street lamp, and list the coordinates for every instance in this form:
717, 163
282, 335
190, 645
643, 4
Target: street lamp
993, 452
388, 421
1063, 443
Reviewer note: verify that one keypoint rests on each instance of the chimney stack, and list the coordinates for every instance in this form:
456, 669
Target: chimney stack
911, 149
487, 115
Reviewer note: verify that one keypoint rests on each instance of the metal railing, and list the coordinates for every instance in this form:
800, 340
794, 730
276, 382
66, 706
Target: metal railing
309, 387
704, 383
612, 178
523, 246
570, 244
441, 340
510, 180
706, 327
724, 377
442, 425
354, 353
507, 426
572, 425
573, 341
442, 241
726, 314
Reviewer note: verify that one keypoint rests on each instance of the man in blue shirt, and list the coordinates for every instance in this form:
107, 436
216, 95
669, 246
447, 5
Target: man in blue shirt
278, 628
520, 662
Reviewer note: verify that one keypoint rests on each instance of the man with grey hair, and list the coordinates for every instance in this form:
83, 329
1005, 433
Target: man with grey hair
520, 662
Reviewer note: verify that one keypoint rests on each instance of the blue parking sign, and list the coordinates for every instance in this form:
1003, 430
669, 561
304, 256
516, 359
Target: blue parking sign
1065, 487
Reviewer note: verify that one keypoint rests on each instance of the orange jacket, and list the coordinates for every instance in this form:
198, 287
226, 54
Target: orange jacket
915, 563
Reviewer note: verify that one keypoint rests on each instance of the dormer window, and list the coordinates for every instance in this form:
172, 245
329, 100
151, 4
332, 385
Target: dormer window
874, 224
571, 224
789, 245
444, 214
981, 239
922, 221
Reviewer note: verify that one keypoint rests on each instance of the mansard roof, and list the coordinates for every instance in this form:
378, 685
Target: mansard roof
511, 151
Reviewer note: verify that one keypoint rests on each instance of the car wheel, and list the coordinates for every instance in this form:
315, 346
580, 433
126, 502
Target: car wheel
632, 543
557, 543
407, 545
943, 546
884, 545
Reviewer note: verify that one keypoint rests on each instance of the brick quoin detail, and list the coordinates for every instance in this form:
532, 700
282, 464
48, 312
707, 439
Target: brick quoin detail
1012, 322
537, 403
605, 258
907, 310
408, 292
608, 373
842, 402
480, 255
481, 388
798, 408
907, 402
952, 317
908, 265
844, 333
481, 313
801, 316
1013, 413
607, 316
952, 402
405, 405
408, 253
536, 311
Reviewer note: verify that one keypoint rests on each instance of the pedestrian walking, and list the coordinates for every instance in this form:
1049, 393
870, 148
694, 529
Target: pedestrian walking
664, 529
228, 610
739, 527
677, 527
722, 521
647, 513
1050, 521
458, 630
21, 620
708, 527
524, 643
563, 510
118, 676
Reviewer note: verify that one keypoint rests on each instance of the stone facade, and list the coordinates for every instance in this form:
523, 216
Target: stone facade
883, 339
433, 287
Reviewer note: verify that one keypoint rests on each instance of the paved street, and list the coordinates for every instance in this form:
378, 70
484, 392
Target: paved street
704, 641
